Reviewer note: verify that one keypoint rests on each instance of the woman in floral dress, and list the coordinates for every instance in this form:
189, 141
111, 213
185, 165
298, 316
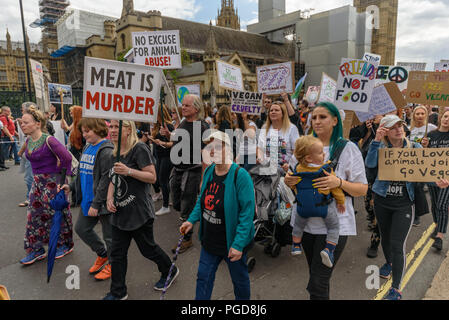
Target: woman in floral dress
47, 157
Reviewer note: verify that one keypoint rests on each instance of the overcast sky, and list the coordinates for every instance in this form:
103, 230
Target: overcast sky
423, 25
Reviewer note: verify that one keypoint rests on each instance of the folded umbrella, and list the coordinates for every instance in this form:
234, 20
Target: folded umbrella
59, 203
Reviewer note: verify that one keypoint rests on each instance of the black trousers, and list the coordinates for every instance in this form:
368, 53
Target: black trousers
319, 274
163, 169
184, 197
144, 239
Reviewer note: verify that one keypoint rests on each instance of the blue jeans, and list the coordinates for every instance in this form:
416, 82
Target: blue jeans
6, 147
206, 276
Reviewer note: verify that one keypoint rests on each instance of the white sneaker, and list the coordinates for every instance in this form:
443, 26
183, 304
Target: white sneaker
157, 196
163, 211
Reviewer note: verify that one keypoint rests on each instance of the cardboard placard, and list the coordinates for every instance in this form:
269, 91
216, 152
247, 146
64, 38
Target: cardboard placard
350, 121
229, 76
54, 89
313, 92
413, 164
276, 78
183, 89
395, 94
396, 74
428, 88
120, 90
249, 102
355, 84
328, 89
159, 49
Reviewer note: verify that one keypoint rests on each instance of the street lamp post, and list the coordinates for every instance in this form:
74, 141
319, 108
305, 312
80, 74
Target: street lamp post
26, 52
298, 45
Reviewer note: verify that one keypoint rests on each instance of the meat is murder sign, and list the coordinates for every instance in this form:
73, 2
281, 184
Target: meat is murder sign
120, 91
413, 164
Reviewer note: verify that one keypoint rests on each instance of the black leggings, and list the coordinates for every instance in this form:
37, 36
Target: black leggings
395, 218
163, 169
319, 274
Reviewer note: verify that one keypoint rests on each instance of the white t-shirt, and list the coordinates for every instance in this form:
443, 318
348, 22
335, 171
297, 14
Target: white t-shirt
248, 146
284, 142
416, 134
351, 167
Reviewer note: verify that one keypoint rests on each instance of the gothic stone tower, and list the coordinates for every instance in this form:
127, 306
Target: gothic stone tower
228, 16
384, 38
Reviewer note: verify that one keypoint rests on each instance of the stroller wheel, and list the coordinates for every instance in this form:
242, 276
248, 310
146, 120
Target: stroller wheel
276, 250
268, 248
251, 262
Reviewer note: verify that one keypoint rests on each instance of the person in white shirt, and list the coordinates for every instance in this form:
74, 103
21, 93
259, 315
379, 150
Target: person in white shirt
418, 128
349, 176
277, 136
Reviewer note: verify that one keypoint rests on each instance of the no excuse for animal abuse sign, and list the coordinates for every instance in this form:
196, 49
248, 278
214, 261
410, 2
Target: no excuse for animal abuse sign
413, 164
120, 91
159, 49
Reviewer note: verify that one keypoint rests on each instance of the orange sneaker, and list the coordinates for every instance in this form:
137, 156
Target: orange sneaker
105, 273
99, 263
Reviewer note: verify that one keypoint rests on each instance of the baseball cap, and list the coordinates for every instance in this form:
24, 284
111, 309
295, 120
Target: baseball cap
390, 120
218, 135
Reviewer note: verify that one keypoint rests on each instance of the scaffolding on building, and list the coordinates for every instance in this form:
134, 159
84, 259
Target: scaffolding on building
50, 11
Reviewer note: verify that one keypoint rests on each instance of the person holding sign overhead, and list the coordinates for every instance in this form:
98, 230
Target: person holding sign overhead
393, 203
133, 210
439, 197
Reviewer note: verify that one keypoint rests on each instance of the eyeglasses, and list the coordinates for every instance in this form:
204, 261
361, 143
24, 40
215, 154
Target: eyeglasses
187, 105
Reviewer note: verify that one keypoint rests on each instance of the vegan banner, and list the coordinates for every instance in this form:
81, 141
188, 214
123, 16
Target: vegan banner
249, 102
355, 84
159, 49
121, 91
428, 88
229, 76
276, 78
413, 165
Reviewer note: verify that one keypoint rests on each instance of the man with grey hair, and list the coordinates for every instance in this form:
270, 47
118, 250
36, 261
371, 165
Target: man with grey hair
186, 158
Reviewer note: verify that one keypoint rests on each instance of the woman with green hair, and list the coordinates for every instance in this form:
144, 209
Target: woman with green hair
349, 176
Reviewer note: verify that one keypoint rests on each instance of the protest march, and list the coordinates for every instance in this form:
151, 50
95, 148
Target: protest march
313, 170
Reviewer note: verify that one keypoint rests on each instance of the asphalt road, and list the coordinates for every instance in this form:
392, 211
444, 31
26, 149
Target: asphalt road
281, 278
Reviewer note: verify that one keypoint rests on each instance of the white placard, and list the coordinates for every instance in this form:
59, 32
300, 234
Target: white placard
249, 102
312, 95
59, 133
381, 103
397, 74
441, 67
120, 90
276, 78
356, 79
39, 85
328, 89
159, 49
229, 76
53, 92
184, 89
371, 57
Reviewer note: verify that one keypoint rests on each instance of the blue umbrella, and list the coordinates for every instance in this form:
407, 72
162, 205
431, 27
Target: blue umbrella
58, 204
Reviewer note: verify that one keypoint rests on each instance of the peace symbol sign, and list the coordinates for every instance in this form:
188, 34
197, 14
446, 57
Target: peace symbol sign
398, 75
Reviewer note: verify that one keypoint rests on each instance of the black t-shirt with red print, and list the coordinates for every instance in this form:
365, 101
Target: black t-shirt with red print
214, 227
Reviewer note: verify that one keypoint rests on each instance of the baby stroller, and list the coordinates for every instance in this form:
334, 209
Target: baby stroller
269, 232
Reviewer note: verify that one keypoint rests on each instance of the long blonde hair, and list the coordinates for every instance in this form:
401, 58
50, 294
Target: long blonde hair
132, 140
412, 122
285, 119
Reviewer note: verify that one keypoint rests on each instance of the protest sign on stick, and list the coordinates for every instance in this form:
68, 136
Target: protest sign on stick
184, 89
229, 76
312, 95
396, 74
276, 78
159, 49
328, 89
430, 88
121, 91
40, 86
55, 90
371, 57
355, 84
249, 102
413, 164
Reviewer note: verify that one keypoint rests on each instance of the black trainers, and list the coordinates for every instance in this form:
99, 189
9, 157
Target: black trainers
159, 286
417, 222
434, 234
110, 296
372, 251
438, 244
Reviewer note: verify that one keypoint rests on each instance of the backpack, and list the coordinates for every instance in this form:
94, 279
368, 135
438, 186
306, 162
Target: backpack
310, 202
